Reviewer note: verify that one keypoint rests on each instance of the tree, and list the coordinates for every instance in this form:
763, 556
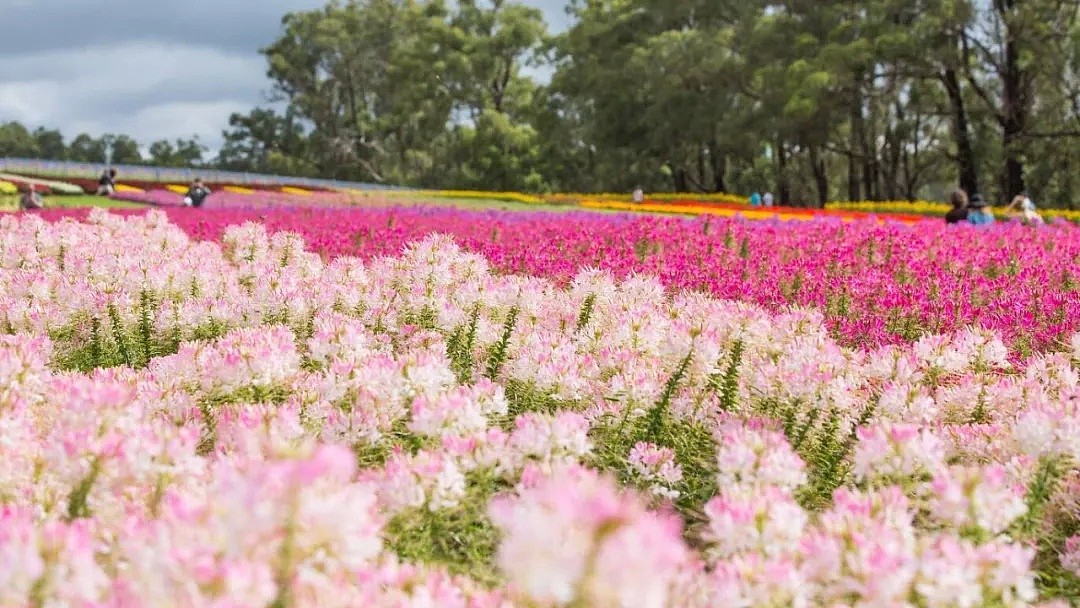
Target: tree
50, 144
87, 149
125, 151
162, 153
492, 42
1005, 39
395, 92
17, 141
179, 153
264, 141
189, 152
364, 76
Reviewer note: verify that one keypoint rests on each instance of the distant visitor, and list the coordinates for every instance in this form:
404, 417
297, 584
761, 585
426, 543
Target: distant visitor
196, 194
755, 200
767, 200
639, 195
107, 182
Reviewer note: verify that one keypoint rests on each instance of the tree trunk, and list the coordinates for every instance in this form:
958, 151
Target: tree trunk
719, 168
868, 153
703, 174
966, 165
1014, 112
874, 161
909, 179
896, 153
783, 189
678, 177
868, 177
821, 177
853, 164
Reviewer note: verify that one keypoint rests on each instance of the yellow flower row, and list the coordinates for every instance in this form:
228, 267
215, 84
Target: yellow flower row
1073, 215
180, 189
917, 207
708, 197
470, 194
610, 205
516, 197
8, 188
750, 213
932, 208
296, 191
556, 198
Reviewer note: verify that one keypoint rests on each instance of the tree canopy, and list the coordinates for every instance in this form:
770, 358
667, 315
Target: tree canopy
816, 100
17, 141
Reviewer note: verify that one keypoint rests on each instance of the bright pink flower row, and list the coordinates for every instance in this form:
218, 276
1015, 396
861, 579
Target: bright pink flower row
876, 284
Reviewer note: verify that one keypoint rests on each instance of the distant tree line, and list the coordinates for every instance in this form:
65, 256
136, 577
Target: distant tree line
816, 101
18, 141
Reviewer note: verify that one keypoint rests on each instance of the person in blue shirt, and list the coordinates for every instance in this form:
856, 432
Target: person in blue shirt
978, 212
755, 200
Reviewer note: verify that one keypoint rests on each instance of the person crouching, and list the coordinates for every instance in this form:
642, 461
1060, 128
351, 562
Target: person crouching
107, 183
31, 199
196, 194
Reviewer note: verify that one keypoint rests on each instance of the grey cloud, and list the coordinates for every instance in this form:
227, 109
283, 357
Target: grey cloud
150, 68
127, 87
238, 25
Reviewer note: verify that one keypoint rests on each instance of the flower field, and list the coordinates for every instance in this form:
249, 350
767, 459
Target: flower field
205, 408
695, 204
721, 205
873, 283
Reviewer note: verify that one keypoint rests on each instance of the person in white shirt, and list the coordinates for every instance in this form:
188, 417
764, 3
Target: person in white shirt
1023, 209
767, 200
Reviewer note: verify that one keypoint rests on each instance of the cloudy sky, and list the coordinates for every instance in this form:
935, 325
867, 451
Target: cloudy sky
150, 68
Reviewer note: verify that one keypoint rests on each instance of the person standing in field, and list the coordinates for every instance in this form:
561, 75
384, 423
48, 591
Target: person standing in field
767, 199
107, 182
959, 211
639, 195
979, 213
196, 194
755, 199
